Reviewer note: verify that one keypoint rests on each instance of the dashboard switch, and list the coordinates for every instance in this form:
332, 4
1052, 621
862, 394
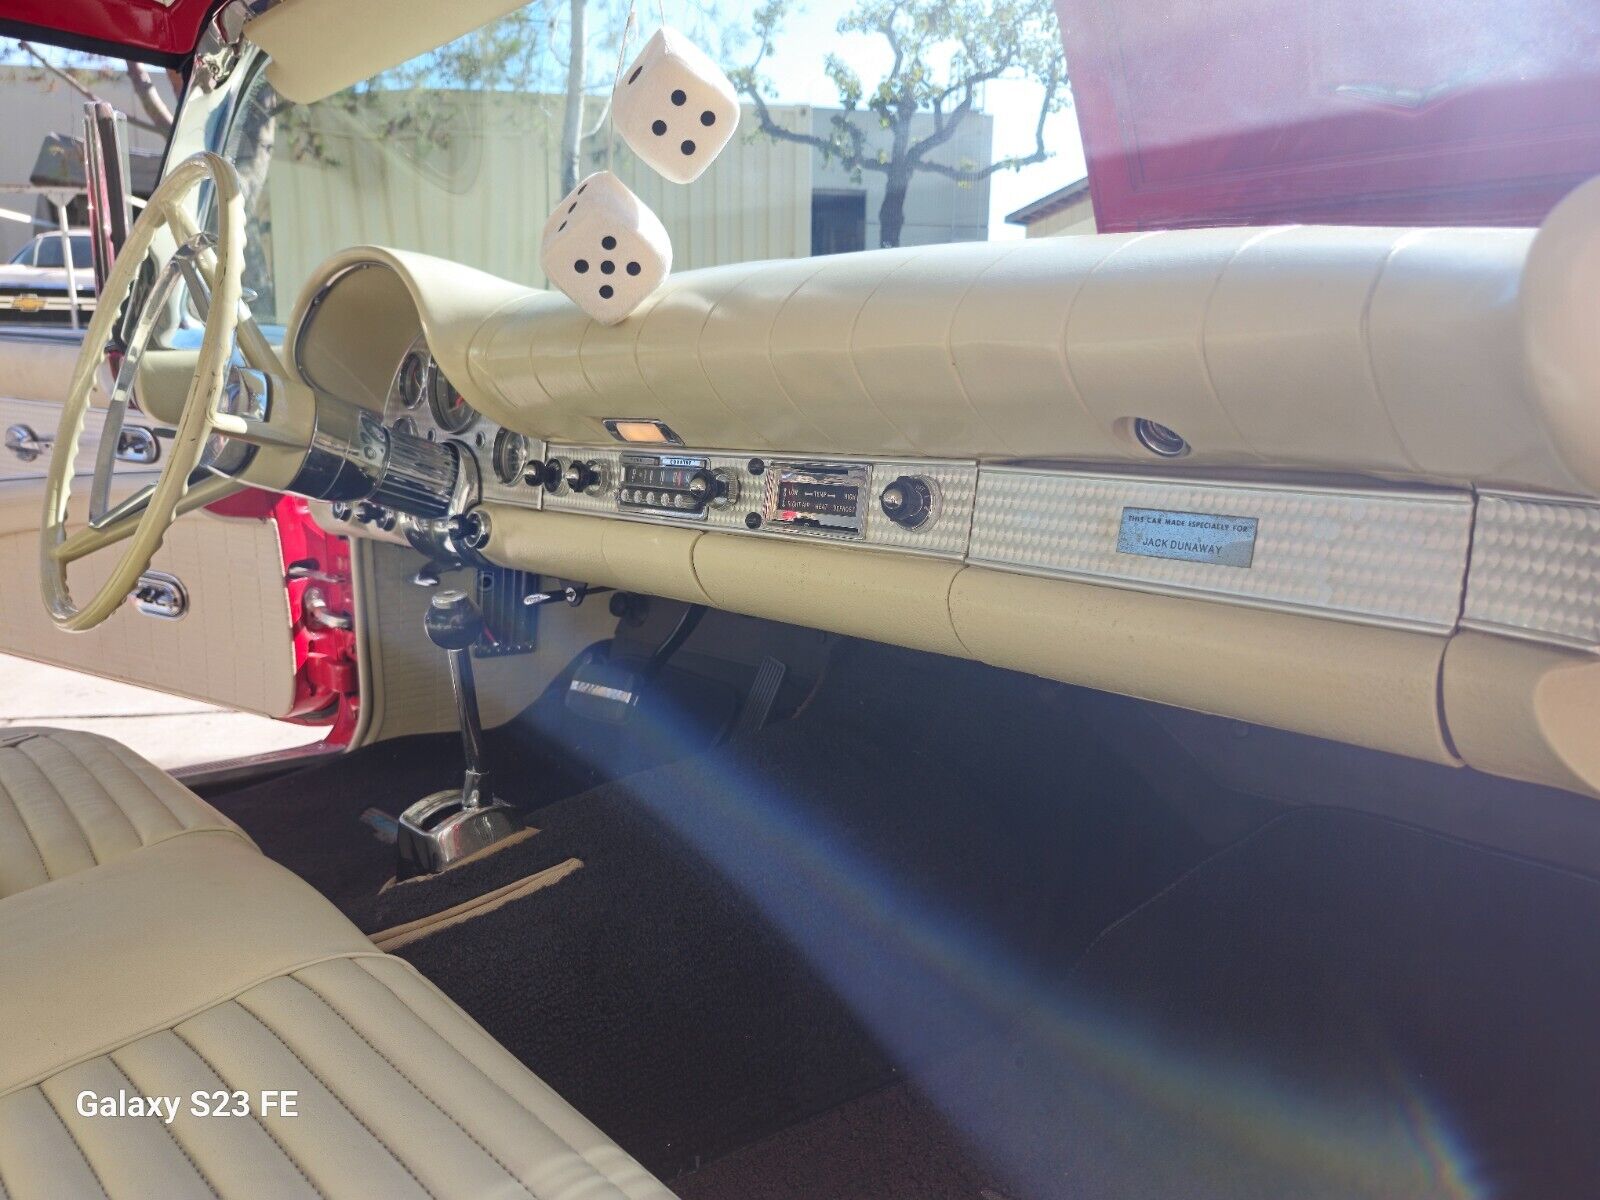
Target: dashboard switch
910, 501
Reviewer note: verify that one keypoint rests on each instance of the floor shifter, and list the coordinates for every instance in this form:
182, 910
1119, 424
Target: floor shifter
445, 827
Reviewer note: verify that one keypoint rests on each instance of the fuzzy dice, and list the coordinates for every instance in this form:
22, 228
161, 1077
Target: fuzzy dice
605, 249
674, 107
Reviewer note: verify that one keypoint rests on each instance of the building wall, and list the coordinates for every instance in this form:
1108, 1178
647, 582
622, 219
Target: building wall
482, 197
937, 209
1077, 217
33, 104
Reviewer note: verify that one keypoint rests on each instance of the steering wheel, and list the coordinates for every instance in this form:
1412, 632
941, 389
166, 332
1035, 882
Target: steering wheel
213, 268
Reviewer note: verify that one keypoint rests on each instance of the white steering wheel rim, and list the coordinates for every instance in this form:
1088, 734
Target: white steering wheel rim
146, 528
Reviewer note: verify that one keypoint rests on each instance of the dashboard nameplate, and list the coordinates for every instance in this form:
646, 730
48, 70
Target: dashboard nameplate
1223, 541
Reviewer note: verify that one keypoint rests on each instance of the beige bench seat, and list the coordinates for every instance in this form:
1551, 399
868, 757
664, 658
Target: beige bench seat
70, 801
192, 963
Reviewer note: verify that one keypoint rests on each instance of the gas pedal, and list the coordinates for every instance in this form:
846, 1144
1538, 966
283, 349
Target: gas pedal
757, 710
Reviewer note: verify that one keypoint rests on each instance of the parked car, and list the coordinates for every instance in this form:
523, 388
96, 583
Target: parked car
1109, 716
35, 287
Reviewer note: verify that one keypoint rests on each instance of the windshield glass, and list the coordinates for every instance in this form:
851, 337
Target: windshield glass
863, 124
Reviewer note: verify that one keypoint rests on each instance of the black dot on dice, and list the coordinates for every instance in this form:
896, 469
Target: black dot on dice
561, 226
581, 265
608, 242
633, 268
679, 98
606, 291
635, 74
582, 187
607, 267
573, 207
687, 147
658, 128
708, 118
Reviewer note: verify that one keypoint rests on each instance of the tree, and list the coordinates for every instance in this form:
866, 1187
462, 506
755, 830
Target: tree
942, 53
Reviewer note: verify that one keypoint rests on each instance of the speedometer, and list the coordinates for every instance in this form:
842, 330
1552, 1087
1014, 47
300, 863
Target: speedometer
450, 411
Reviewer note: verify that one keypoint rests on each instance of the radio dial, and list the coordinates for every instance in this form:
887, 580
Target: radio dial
709, 487
909, 501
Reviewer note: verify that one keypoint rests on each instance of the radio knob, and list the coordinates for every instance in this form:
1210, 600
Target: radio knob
705, 487
908, 501
581, 476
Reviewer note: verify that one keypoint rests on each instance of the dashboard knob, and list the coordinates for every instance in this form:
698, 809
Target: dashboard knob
543, 474
706, 487
909, 501
368, 513
581, 476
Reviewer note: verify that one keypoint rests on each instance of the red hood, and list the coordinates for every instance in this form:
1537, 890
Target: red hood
1195, 112
144, 29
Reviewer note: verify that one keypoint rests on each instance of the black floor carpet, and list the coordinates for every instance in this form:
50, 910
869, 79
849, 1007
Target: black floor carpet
1337, 1007
311, 820
928, 939
890, 1143
763, 932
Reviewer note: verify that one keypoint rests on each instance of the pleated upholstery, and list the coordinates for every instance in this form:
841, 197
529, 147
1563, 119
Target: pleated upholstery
400, 1094
70, 801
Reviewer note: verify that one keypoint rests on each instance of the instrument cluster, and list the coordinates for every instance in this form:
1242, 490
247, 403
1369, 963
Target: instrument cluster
423, 402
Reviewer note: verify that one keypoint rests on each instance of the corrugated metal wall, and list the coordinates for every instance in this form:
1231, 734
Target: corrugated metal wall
480, 193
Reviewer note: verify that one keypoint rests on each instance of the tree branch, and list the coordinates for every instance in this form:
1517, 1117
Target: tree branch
154, 106
973, 175
78, 87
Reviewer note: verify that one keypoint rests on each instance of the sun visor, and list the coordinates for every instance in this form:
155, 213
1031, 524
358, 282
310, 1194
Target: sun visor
319, 47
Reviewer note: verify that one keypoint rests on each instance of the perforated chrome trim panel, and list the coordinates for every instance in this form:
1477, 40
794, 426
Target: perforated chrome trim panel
1391, 558
945, 537
1535, 569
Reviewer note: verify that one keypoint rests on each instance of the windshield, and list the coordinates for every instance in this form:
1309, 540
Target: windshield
862, 125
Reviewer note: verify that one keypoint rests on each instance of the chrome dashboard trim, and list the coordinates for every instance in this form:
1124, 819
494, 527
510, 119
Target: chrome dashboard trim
943, 538
1535, 569
1376, 556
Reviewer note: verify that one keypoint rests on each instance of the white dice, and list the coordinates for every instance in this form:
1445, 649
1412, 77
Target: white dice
605, 249
674, 107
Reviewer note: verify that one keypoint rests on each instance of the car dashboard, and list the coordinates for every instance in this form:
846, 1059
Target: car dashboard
1304, 478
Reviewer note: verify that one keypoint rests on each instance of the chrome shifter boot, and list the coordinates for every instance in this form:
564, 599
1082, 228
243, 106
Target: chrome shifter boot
444, 828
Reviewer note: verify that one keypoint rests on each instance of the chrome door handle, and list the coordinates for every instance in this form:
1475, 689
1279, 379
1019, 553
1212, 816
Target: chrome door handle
158, 594
318, 613
27, 445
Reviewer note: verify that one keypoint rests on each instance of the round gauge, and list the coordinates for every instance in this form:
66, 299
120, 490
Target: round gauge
450, 410
406, 425
412, 382
510, 456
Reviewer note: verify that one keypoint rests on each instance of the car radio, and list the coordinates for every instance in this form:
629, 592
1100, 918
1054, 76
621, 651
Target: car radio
827, 499
676, 485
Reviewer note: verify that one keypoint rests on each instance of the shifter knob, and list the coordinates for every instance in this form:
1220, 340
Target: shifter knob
453, 621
